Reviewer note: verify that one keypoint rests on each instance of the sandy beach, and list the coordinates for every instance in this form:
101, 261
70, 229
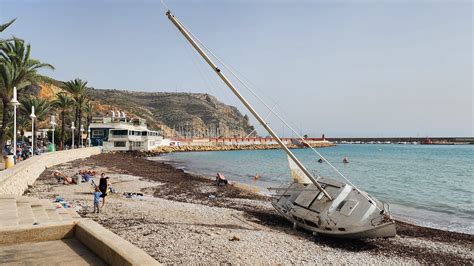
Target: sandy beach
185, 219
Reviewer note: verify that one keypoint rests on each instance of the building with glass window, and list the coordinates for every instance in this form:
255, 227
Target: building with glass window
118, 134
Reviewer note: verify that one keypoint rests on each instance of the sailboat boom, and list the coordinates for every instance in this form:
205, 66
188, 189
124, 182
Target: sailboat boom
196, 46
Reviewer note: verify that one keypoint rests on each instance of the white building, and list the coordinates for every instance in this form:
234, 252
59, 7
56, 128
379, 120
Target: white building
118, 134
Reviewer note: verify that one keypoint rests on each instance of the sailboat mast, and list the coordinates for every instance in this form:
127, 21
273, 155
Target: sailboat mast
188, 37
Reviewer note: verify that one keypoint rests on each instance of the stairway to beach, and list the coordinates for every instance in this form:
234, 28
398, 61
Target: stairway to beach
21, 210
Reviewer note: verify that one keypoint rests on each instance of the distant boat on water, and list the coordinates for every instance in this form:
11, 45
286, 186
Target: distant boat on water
426, 141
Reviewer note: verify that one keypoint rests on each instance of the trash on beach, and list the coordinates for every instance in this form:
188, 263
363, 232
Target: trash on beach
129, 195
61, 203
59, 199
211, 196
234, 238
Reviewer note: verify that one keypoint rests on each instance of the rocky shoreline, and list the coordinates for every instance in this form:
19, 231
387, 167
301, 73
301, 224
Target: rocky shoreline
179, 222
221, 147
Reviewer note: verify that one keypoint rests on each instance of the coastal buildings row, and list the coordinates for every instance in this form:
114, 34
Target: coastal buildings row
123, 134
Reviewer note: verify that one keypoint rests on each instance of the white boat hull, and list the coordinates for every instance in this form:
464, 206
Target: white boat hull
349, 215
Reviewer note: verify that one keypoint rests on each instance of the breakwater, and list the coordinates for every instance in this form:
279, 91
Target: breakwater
435, 140
194, 148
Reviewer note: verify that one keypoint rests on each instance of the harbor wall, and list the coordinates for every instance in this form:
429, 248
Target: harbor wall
15, 180
191, 148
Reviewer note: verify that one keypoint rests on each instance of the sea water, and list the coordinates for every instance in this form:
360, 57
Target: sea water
430, 185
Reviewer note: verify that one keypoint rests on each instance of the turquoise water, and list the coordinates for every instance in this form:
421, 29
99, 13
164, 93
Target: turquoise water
431, 185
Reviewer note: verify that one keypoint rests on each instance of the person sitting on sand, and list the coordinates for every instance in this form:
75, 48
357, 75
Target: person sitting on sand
220, 179
85, 176
320, 160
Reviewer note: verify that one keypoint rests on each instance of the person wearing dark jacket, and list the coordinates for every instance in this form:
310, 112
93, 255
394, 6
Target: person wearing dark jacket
103, 187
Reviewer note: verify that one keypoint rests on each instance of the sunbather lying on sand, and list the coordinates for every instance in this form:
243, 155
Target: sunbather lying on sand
66, 179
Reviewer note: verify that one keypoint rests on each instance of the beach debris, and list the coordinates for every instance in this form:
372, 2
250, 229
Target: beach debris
129, 195
61, 203
234, 238
212, 196
59, 199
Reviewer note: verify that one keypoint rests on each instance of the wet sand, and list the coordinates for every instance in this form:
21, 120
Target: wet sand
180, 223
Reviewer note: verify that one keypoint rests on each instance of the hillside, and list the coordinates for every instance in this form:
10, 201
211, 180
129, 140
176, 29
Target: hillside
178, 114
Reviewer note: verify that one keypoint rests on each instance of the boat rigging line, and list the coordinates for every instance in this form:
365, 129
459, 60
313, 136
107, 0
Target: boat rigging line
184, 31
195, 42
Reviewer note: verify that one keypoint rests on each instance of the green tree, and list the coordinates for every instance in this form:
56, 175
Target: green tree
23, 124
78, 90
42, 108
63, 103
17, 69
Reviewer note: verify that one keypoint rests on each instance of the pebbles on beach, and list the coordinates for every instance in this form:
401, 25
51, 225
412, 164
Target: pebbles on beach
188, 227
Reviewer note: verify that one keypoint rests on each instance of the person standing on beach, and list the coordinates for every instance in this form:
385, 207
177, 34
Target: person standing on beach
103, 187
97, 194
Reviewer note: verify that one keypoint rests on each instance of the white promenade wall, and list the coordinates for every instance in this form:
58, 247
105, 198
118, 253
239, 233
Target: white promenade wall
15, 180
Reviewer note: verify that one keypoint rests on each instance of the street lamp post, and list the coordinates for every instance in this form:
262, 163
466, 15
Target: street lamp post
82, 140
72, 128
32, 116
53, 125
89, 136
15, 103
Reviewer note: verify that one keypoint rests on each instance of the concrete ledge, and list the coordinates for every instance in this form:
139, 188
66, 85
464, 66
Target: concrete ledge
110, 247
15, 180
38, 233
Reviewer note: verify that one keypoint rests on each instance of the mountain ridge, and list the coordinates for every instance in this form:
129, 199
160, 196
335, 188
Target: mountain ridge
178, 114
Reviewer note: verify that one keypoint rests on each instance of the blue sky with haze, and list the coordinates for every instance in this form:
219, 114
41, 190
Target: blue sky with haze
344, 68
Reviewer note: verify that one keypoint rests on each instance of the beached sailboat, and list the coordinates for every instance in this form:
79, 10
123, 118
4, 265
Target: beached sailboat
322, 205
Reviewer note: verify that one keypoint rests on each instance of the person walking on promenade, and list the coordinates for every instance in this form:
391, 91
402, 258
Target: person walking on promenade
97, 194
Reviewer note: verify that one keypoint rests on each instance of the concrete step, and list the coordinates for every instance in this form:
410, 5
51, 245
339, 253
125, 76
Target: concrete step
25, 213
40, 214
53, 215
8, 211
7, 204
8, 221
47, 204
73, 213
65, 216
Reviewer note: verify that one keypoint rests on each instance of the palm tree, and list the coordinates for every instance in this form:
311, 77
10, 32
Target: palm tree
42, 108
23, 124
78, 89
17, 69
63, 103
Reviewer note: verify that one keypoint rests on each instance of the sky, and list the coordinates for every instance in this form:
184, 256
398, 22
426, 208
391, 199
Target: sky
342, 68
